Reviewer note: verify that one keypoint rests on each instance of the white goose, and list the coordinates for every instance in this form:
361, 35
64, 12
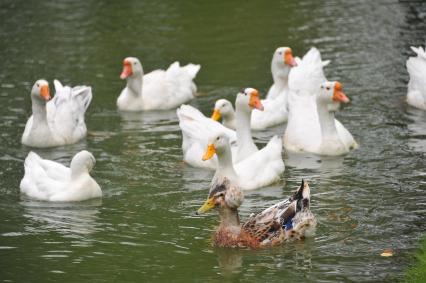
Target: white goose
157, 90
275, 105
416, 67
51, 181
197, 130
59, 121
311, 125
260, 169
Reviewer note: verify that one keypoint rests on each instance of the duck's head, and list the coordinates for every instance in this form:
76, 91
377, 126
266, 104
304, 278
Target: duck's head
248, 99
283, 56
218, 144
41, 90
131, 67
331, 93
82, 161
222, 108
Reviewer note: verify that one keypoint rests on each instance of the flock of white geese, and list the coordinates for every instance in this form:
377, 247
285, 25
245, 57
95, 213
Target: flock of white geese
300, 96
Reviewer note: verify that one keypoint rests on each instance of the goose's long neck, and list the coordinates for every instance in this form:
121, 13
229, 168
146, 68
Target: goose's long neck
134, 84
225, 166
280, 75
39, 112
327, 123
77, 172
245, 140
229, 120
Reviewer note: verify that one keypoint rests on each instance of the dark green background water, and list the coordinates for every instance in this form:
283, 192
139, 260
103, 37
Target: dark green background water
144, 228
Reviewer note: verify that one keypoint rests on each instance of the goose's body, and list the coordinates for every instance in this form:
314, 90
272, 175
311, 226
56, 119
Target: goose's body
288, 219
59, 121
157, 90
258, 167
311, 125
416, 67
51, 181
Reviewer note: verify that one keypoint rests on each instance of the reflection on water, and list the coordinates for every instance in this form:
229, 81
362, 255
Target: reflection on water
72, 219
417, 129
145, 227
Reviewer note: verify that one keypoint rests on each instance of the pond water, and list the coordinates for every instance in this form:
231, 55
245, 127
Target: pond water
145, 228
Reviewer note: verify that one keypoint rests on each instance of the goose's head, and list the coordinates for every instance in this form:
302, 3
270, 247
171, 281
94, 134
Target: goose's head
218, 144
248, 99
83, 161
331, 93
41, 90
283, 56
222, 108
131, 67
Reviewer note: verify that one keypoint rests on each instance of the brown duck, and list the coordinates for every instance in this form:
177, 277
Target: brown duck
288, 219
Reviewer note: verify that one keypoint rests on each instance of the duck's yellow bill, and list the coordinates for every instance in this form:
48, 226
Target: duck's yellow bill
211, 150
216, 115
209, 204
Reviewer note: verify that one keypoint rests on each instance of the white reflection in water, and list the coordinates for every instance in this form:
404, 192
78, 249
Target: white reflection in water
66, 218
417, 138
147, 120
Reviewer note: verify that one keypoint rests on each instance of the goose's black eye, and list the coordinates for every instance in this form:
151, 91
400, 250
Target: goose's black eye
38, 85
218, 138
328, 88
280, 53
134, 63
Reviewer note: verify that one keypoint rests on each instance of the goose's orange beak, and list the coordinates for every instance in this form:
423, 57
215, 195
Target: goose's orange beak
289, 59
211, 150
216, 115
127, 70
45, 92
255, 101
338, 94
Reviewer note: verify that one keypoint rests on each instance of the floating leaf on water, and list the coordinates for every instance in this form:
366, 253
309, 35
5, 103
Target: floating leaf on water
387, 253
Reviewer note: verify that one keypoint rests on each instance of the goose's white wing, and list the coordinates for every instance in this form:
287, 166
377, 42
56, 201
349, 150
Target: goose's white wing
196, 132
263, 167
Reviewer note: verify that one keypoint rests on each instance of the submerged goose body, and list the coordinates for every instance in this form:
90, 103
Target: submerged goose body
57, 121
416, 67
288, 219
311, 125
157, 90
51, 181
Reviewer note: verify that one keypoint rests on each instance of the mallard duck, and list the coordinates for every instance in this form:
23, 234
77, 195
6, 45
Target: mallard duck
157, 90
288, 219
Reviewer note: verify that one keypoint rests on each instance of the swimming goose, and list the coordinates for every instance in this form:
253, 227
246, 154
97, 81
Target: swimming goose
157, 90
312, 102
260, 169
56, 121
51, 181
275, 105
416, 67
196, 129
